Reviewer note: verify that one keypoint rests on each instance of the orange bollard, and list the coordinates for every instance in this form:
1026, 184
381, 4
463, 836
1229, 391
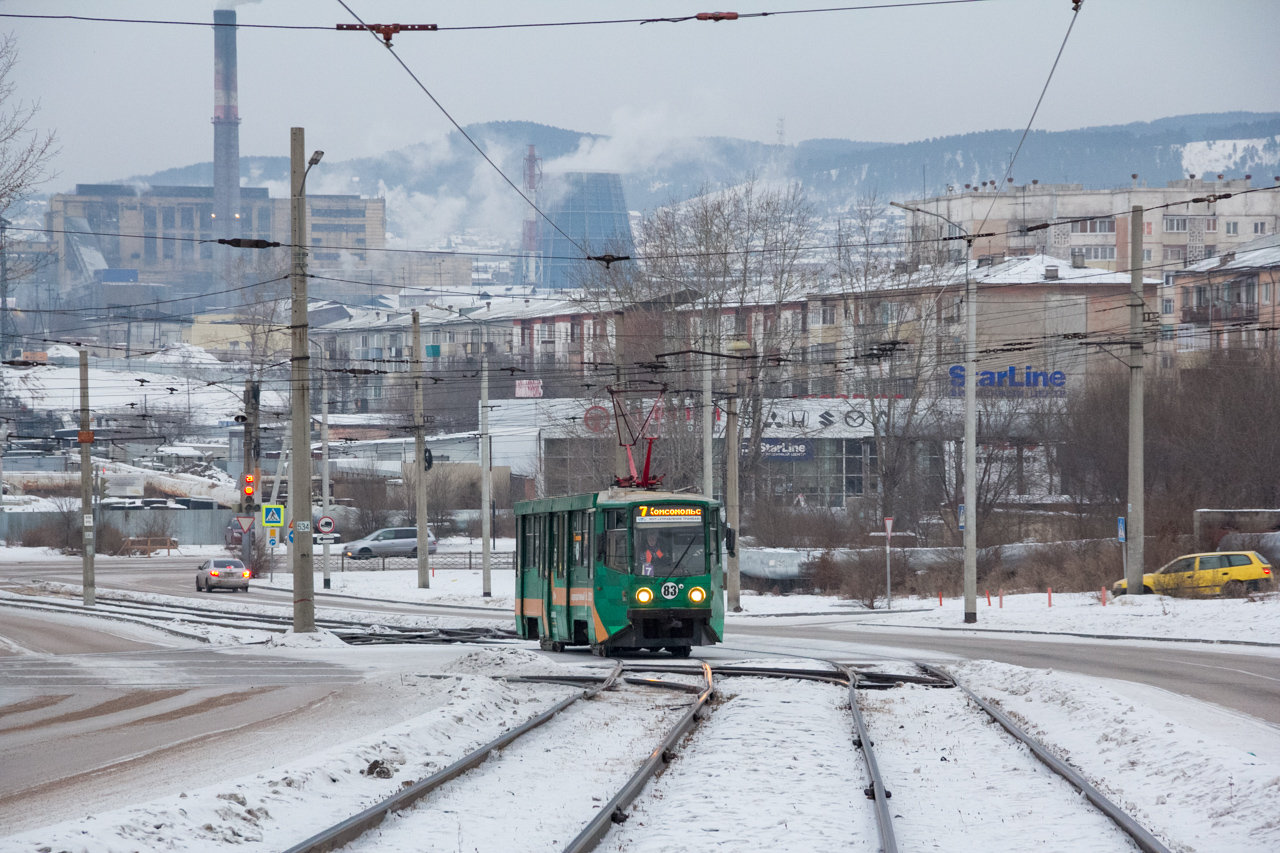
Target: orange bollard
939, 598
988, 592
1002, 599
1050, 596
1104, 596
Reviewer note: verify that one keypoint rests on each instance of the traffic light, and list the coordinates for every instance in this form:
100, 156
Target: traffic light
249, 488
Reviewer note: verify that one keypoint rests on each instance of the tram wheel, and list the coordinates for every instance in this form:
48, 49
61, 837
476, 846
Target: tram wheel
681, 651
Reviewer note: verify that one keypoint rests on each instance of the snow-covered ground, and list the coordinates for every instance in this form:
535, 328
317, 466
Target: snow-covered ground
448, 586
1212, 619
1202, 778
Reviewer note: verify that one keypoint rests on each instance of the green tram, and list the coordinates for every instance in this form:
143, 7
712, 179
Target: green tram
621, 570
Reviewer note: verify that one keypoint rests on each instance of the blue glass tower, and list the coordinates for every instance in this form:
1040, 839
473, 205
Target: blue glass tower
591, 208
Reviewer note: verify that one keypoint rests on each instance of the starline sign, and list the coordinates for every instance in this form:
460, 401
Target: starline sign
1012, 382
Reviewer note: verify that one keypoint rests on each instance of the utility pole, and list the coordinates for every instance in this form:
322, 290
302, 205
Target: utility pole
4, 289
86, 484
708, 429
733, 586
324, 456
620, 468
304, 606
252, 396
486, 479
1137, 307
970, 442
420, 459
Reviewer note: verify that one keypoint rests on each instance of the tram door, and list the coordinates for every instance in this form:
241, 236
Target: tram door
531, 594
559, 626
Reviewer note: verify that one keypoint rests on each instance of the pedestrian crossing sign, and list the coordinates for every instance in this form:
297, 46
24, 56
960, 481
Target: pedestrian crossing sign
273, 515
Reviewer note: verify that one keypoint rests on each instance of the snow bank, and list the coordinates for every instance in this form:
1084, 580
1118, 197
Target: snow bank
317, 639
1192, 787
1162, 616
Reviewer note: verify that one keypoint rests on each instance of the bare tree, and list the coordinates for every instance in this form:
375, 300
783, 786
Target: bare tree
24, 151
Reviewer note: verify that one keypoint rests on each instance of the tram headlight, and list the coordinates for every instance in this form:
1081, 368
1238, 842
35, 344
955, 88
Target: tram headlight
644, 595
697, 595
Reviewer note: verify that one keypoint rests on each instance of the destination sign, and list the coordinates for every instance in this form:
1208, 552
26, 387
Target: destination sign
669, 514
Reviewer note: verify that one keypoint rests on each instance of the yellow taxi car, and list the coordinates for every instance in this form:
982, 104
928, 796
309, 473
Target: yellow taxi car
1231, 573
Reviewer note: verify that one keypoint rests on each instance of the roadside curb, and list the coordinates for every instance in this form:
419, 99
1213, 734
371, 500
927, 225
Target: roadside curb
116, 617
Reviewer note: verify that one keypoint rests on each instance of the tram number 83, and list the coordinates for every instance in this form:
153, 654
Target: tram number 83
671, 590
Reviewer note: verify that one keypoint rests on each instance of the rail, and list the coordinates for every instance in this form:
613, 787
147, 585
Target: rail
357, 825
612, 811
1146, 842
877, 789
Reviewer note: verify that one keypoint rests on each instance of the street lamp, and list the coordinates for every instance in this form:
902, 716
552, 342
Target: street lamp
304, 612
969, 510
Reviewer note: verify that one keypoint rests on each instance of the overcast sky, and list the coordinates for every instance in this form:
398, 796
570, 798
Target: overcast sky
130, 99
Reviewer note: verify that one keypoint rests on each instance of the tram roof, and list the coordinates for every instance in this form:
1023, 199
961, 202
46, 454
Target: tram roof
613, 496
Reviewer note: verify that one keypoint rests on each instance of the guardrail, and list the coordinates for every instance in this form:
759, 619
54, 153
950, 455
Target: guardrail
502, 560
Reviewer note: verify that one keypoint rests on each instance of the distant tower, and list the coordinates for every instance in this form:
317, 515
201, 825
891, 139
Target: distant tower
532, 269
226, 140
591, 208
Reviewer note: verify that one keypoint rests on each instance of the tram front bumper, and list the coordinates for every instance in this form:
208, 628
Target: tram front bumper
676, 626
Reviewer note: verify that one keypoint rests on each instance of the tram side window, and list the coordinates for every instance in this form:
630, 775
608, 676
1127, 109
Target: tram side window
526, 543
615, 540
540, 543
713, 530
580, 544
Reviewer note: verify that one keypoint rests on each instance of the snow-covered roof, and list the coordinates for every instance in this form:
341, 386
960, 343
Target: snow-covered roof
1031, 269
1263, 252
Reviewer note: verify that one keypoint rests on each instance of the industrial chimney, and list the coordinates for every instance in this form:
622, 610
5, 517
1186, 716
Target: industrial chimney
226, 136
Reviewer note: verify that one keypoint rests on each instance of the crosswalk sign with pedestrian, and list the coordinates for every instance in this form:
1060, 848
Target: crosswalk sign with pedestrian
273, 515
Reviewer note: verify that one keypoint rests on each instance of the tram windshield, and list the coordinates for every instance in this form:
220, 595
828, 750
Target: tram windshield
669, 542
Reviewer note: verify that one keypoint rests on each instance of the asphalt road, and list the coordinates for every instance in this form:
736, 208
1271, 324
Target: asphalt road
1243, 682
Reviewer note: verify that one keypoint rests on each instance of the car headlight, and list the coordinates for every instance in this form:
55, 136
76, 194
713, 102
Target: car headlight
644, 595
697, 595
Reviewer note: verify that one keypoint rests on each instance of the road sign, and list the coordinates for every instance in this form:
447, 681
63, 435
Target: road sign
245, 522
327, 539
272, 541
302, 526
596, 419
888, 525
961, 516
273, 515
1120, 526
325, 524
290, 537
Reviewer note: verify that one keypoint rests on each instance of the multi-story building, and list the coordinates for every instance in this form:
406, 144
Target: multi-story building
1230, 302
156, 231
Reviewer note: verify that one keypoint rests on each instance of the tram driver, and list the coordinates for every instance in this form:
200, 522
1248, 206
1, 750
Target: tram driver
654, 557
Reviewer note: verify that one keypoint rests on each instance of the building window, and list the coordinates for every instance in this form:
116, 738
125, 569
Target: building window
168, 249
149, 245
1233, 228
1096, 253
188, 215
169, 215
1175, 223
1095, 226
1186, 297
1166, 332
1175, 253
828, 316
1146, 254
1166, 306
1146, 227
1266, 293
1259, 228
1211, 224
149, 218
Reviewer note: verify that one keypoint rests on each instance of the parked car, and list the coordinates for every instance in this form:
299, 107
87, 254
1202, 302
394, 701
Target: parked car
388, 542
1231, 573
221, 573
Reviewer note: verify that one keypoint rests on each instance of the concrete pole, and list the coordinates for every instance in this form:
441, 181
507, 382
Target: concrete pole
486, 481
733, 585
708, 429
246, 544
1137, 305
620, 468
86, 485
970, 443
888, 565
304, 606
324, 459
419, 459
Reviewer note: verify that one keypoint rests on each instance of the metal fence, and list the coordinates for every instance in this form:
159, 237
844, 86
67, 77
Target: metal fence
503, 560
187, 526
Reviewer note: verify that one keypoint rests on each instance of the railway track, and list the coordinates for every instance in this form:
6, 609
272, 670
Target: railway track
350, 631
374, 829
